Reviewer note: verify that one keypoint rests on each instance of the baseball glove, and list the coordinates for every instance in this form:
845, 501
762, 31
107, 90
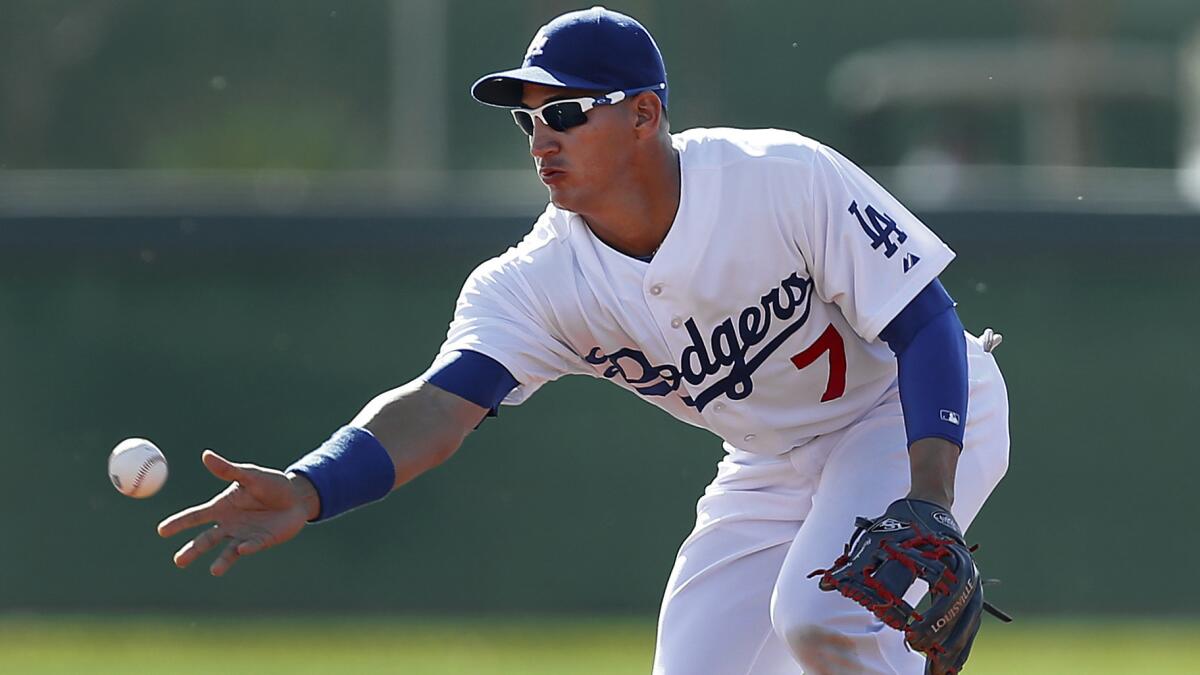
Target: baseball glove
915, 539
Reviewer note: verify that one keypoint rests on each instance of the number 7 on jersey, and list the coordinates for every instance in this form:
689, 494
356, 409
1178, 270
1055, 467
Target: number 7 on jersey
830, 341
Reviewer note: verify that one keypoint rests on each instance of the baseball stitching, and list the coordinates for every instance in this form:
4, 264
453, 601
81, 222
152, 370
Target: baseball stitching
145, 471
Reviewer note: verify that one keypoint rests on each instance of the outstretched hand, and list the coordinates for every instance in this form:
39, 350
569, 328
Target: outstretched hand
261, 508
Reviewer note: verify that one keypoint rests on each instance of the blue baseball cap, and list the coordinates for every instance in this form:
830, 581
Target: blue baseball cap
593, 48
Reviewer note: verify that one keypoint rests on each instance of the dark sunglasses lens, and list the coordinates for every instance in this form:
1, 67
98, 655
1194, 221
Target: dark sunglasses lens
564, 115
524, 120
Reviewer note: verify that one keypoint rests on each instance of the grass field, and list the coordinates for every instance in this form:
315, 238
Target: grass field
567, 646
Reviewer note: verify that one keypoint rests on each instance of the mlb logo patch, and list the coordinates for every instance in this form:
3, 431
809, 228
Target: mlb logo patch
949, 416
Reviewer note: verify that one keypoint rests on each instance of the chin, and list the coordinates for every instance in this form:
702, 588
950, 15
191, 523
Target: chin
562, 199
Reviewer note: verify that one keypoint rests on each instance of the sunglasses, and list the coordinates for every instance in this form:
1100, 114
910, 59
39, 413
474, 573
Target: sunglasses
566, 113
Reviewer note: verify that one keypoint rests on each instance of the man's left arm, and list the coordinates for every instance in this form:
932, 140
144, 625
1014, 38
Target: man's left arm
927, 339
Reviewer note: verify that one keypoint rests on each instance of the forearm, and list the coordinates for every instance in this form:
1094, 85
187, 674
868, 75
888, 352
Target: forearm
933, 464
419, 425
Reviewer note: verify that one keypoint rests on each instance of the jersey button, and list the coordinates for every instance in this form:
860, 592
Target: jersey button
676, 322
749, 437
656, 289
719, 407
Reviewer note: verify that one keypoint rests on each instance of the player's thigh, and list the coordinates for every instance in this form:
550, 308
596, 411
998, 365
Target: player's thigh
826, 632
715, 614
715, 617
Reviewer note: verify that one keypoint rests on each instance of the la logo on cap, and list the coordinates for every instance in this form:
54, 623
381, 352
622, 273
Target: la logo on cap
535, 47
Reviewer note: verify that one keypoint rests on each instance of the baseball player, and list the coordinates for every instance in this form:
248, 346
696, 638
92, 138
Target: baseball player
754, 283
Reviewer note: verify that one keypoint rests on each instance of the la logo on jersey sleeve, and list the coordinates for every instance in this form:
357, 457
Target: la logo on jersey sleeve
884, 233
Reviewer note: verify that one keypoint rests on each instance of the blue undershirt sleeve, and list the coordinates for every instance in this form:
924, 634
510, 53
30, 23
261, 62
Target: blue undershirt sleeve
480, 379
931, 359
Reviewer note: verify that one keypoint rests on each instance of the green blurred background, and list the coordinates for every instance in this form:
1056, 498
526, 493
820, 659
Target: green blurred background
229, 224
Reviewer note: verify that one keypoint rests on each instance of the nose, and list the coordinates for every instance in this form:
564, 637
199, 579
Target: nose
543, 142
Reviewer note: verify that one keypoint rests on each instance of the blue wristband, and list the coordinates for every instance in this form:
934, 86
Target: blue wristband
349, 470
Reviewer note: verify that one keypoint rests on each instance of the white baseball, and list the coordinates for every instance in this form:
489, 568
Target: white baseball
137, 468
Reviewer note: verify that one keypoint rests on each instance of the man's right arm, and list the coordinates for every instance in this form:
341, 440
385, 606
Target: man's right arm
420, 425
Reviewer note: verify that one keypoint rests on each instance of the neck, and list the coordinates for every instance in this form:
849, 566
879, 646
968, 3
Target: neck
637, 219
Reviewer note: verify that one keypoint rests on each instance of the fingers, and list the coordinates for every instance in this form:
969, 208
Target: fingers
187, 519
252, 545
206, 512
249, 475
201, 513
198, 546
221, 467
220, 509
224, 561
209, 540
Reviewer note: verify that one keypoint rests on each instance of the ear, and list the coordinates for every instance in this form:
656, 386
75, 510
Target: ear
648, 114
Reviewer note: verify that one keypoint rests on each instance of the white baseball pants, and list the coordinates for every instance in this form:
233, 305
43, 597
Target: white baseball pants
738, 601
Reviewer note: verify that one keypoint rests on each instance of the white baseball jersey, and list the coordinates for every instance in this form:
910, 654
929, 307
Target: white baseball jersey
757, 318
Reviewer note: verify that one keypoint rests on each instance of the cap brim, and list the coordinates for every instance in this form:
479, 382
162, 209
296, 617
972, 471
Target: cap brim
504, 89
